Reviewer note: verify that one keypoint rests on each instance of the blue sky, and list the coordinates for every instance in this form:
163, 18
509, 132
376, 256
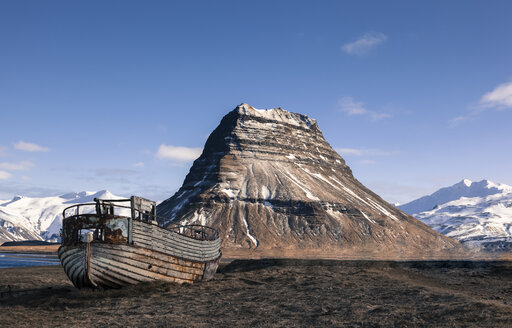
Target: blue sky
415, 95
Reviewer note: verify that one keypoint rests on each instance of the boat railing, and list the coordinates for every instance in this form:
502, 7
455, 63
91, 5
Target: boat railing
196, 231
111, 207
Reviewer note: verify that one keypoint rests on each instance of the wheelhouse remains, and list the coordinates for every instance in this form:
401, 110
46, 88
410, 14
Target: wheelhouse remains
116, 242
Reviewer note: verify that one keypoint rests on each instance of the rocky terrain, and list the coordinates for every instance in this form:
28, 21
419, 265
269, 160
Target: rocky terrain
478, 214
274, 293
272, 185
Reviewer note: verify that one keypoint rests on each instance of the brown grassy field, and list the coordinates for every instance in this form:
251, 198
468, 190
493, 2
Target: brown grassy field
30, 249
274, 293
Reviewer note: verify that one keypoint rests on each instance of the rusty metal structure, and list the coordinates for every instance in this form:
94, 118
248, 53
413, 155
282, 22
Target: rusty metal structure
106, 244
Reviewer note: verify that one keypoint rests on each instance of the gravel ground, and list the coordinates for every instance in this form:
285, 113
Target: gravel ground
274, 293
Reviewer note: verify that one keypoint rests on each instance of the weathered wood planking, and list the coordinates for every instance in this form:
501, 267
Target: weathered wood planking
119, 251
113, 265
158, 238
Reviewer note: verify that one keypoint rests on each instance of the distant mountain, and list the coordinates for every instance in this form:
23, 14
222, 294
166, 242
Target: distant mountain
475, 213
273, 186
27, 218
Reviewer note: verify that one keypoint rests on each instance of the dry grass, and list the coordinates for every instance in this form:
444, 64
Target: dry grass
276, 293
35, 249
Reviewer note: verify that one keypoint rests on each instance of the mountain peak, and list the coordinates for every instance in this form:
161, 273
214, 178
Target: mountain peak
16, 198
275, 114
464, 188
466, 182
269, 181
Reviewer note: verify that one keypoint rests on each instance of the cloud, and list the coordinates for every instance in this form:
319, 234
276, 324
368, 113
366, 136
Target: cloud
21, 166
111, 175
3, 151
27, 146
352, 107
178, 153
367, 162
114, 172
459, 119
379, 116
364, 44
4, 175
28, 189
25, 178
500, 99
366, 152
139, 164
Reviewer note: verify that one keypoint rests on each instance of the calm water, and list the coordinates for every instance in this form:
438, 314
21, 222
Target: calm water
9, 260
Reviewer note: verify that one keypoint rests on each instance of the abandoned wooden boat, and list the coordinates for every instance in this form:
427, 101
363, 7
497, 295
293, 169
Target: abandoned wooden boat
108, 245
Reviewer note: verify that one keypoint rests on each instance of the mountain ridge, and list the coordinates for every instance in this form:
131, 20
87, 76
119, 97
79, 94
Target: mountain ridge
478, 214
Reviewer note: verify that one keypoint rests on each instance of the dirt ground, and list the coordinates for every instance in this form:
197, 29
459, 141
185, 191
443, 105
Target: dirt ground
30, 249
274, 293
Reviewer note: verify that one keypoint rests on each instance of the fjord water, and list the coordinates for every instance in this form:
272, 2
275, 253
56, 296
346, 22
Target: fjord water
9, 260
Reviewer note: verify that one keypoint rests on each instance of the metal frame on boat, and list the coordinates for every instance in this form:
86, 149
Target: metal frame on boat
109, 245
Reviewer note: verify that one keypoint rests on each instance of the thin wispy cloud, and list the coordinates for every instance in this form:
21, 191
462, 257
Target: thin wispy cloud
498, 99
28, 146
21, 166
4, 175
366, 152
367, 162
139, 164
3, 151
178, 153
105, 172
110, 175
351, 107
364, 44
365, 156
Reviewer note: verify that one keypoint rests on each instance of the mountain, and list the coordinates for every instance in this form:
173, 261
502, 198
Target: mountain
273, 186
27, 218
465, 188
475, 213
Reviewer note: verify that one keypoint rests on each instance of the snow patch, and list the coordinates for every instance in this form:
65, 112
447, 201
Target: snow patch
290, 156
306, 191
367, 218
382, 210
265, 193
229, 192
251, 237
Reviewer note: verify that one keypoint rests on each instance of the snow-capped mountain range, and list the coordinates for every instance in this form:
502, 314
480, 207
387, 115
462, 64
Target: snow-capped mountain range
25, 218
474, 213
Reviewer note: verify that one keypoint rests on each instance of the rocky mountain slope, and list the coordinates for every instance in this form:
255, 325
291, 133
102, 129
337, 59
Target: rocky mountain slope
26, 218
477, 214
270, 182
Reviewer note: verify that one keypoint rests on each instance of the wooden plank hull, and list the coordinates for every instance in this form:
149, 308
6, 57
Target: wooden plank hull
104, 265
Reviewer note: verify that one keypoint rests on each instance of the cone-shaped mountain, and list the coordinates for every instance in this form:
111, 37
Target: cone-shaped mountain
273, 186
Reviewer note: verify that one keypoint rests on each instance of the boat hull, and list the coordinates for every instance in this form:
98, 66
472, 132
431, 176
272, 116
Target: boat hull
104, 265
